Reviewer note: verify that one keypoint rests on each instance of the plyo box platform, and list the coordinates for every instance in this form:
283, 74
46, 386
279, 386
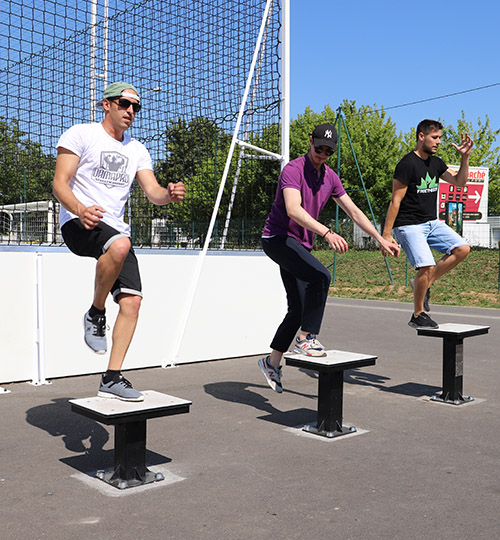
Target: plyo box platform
330, 370
453, 358
129, 419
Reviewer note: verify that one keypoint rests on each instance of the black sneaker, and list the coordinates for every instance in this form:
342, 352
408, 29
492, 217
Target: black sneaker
427, 295
422, 321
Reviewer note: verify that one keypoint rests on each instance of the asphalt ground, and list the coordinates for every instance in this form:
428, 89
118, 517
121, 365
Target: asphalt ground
238, 466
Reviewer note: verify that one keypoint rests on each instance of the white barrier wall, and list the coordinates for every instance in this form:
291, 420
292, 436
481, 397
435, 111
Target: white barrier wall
238, 304
18, 317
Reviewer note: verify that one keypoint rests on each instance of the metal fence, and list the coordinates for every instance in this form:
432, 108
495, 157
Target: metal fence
190, 62
37, 223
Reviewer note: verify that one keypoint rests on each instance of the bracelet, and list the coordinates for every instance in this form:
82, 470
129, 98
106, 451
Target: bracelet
328, 231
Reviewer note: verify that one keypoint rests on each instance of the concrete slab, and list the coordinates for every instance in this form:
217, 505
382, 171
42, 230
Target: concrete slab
299, 432
107, 490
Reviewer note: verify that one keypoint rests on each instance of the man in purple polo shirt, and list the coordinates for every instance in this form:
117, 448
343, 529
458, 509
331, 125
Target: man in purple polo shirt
304, 187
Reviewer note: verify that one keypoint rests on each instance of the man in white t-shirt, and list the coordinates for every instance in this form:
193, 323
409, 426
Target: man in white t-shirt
96, 165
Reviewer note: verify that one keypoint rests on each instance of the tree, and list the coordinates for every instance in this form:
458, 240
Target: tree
195, 154
257, 184
376, 144
303, 126
26, 172
485, 152
377, 147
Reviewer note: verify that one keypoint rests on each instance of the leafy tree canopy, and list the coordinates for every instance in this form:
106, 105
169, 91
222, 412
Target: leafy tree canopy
369, 149
485, 153
26, 172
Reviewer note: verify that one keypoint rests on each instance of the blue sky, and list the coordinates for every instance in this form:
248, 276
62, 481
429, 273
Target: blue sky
391, 52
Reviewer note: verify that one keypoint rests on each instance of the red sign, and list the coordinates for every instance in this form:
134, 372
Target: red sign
469, 195
473, 196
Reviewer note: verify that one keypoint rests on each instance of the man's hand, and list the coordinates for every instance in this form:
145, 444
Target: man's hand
389, 246
337, 243
466, 147
176, 191
91, 216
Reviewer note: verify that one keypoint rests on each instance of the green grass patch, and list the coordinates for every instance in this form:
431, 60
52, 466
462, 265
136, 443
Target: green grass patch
364, 274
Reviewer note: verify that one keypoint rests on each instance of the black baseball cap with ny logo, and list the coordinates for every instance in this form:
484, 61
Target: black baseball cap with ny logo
325, 135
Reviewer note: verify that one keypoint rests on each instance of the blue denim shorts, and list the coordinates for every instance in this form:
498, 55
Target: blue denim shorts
418, 240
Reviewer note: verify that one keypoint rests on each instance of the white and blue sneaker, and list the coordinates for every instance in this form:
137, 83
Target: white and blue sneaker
309, 346
119, 388
272, 375
95, 332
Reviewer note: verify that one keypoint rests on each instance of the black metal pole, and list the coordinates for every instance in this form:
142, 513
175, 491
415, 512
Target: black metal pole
130, 451
453, 369
330, 397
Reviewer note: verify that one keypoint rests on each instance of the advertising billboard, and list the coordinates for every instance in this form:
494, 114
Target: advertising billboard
473, 197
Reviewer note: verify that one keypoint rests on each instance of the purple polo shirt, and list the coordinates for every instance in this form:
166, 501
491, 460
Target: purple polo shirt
315, 187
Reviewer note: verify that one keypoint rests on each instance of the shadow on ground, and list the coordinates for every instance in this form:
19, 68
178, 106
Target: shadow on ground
363, 378
240, 392
80, 435
379, 381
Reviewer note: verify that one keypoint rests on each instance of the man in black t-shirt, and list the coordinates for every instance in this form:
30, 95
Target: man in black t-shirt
412, 214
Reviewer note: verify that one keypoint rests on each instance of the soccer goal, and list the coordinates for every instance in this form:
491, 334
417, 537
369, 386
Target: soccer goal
213, 75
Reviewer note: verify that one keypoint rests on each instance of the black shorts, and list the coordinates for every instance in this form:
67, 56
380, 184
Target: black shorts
96, 242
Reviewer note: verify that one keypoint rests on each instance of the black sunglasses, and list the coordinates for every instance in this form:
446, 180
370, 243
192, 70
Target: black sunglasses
320, 150
125, 103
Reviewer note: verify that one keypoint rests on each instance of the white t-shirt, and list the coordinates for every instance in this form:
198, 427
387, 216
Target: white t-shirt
105, 172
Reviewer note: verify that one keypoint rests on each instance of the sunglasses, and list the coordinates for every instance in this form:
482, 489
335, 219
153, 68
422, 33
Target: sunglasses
125, 104
320, 150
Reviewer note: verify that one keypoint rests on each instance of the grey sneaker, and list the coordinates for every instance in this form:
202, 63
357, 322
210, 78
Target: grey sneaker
422, 321
272, 374
309, 346
120, 388
95, 333
427, 295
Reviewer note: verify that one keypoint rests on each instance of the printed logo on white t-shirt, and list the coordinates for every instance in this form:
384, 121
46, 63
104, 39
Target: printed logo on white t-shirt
112, 170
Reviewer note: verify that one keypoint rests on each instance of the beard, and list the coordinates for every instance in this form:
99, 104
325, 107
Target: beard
429, 149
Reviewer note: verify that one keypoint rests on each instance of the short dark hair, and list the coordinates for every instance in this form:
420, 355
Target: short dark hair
426, 126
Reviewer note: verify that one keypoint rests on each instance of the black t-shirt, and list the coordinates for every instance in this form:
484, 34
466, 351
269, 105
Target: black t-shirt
422, 178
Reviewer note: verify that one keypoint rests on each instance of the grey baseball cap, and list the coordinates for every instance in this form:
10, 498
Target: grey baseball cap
118, 89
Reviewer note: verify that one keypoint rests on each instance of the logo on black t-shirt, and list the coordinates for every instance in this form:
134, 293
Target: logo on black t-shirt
112, 170
427, 185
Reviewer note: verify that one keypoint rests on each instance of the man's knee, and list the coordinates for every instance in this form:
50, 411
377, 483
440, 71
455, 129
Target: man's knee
425, 271
461, 252
130, 304
119, 249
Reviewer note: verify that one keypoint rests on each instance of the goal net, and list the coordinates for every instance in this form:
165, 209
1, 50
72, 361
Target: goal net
190, 61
